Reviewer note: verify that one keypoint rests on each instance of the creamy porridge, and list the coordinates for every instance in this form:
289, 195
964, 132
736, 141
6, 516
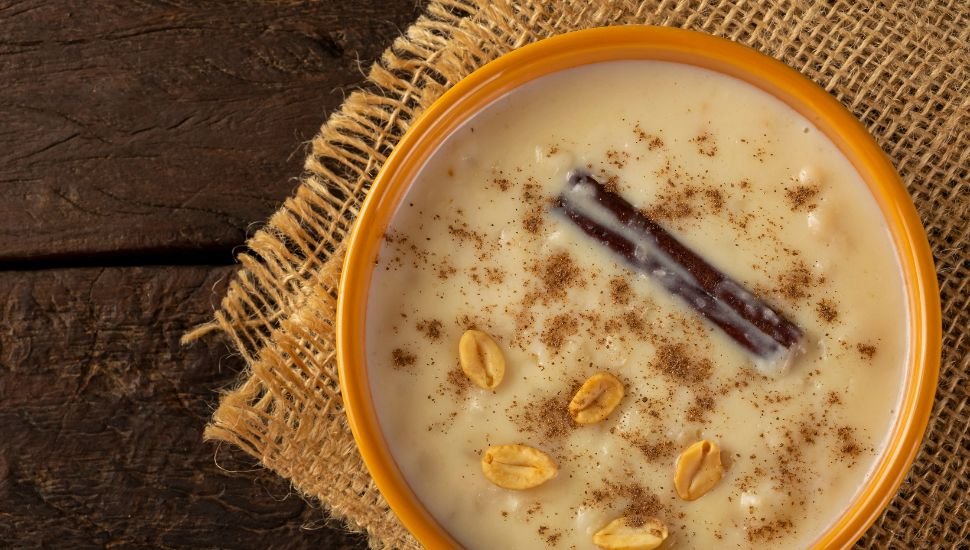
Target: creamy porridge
539, 387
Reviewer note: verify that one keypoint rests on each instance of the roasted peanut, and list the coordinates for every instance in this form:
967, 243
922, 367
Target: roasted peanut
698, 469
620, 534
596, 399
481, 359
517, 466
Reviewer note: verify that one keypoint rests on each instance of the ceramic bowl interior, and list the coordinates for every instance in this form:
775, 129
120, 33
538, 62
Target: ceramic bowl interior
501, 76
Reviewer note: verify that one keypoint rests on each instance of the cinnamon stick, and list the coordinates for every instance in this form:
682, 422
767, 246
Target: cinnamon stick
647, 247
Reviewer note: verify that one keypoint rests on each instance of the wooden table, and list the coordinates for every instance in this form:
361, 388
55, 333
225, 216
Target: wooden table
140, 143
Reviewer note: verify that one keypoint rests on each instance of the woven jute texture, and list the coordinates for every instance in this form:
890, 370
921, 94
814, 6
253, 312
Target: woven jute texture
900, 67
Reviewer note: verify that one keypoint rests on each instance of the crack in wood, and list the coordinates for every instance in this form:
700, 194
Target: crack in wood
210, 256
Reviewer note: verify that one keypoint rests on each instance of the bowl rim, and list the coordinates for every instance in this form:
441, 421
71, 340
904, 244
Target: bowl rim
476, 91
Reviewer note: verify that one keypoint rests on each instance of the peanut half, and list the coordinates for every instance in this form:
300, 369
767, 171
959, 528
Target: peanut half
698, 469
596, 399
619, 534
481, 359
517, 466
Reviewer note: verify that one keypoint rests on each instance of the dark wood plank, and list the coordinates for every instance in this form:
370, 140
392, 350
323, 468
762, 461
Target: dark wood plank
152, 125
101, 417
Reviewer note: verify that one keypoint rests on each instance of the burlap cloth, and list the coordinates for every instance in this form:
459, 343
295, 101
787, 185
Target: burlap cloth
900, 67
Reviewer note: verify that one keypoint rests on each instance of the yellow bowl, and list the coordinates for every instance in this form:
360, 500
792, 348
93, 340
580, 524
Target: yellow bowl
472, 94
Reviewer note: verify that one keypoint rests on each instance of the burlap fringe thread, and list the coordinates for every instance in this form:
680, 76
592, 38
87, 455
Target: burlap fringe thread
901, 68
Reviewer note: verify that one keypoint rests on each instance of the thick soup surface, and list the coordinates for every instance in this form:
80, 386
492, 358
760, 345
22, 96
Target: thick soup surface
746, 183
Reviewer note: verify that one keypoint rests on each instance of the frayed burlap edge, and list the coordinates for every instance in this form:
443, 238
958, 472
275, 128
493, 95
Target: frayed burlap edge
900, 67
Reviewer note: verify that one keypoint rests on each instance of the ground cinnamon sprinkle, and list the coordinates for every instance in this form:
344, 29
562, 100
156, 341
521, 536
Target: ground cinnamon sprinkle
467, 322
641, 504
653, 452
525, 318
552, 537
402, 359
495, 275
531, 191
849, 447
686, 202
715, 198
620, 291
635, 323
705, 144
464, 234
703, 404
612, 184
833, 398
617, 158
802, 197
653, 142
549, 418
431, 328
827, 310
558, 273
457, 380
502, 183
557, 330
789, 468
445, 270
867, 351
612, 326
533, 220
797, 282
769, 531
809, 432
674, 361
673, 206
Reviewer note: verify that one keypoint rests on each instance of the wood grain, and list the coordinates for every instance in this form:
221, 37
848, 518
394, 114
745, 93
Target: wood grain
101, 416
143, 141
146, 139
157, 127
